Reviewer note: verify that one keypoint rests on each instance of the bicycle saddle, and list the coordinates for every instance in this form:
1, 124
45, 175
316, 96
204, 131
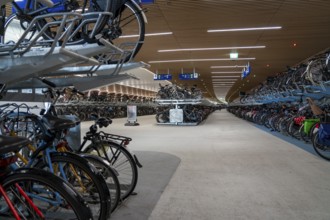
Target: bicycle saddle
54, 123
103, 122
11, 144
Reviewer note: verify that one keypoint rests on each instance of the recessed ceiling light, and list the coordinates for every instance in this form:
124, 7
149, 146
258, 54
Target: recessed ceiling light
147, 35
199, 60
212, 48
245, 29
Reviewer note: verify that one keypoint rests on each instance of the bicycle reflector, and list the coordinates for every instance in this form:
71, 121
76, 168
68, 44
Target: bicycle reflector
126, 142
6, 159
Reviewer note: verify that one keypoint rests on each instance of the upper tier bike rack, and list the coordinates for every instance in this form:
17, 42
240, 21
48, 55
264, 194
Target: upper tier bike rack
20, 62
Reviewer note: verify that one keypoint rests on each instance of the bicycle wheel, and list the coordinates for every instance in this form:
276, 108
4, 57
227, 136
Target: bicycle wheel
121, 160
303, 135
322, 150
82, 7
109, 176
126, 31
53, 197
84, 178
162, 117
15, 28
294, 130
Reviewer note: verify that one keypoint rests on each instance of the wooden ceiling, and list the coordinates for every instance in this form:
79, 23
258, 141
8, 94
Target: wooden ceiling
305, 31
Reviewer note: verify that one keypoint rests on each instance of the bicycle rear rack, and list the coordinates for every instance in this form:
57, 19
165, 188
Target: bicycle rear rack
123, 140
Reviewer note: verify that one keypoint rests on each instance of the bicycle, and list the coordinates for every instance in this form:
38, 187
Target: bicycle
112, 148
106, 170
127, 20
30, 193
72, 168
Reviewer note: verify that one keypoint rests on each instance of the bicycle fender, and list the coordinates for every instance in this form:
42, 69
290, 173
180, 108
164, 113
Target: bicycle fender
142, 12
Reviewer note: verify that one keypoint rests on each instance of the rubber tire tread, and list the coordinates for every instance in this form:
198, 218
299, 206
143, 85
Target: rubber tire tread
129, 157
90, 170
64, 189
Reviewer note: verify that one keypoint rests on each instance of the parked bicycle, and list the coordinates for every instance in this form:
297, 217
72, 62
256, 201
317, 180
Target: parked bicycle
30, 193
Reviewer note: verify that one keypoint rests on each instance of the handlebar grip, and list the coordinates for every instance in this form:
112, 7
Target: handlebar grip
47, 82
48, 3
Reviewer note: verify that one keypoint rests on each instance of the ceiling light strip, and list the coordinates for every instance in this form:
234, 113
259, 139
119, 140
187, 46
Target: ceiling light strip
224, 80
223, 85
244, 29
229, 72
200, 60
218, 77
212, 48
216, 67
147, 35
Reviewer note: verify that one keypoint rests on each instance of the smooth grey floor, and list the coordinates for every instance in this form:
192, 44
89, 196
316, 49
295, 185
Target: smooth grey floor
231, 169
158, 169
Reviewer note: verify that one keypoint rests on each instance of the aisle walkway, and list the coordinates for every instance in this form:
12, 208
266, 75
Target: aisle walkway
232, 170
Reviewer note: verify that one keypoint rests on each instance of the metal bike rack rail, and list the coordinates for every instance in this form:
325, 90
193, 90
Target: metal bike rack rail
22, 61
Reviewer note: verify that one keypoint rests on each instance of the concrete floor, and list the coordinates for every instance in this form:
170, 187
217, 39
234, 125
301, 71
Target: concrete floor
231, 169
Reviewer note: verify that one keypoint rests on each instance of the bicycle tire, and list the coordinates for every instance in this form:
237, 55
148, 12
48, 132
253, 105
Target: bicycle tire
162, 117
322, 150
121, 160
97, 185
313, 130
14, 29
109, 175
303, 136
118, 29
27, 176
84, 6
294, 130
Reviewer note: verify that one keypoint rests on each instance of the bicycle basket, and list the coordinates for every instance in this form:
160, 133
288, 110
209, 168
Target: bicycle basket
324, 134
308, 123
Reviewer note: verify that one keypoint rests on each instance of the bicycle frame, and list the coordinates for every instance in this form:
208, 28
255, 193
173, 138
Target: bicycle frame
26, 197
24, 10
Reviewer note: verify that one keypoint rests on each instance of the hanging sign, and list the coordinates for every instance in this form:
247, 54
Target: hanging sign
246, 71
162, 76
188, 76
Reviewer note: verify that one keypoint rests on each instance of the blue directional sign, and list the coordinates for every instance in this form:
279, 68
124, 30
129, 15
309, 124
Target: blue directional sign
246, 71
188, 76
162, 76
